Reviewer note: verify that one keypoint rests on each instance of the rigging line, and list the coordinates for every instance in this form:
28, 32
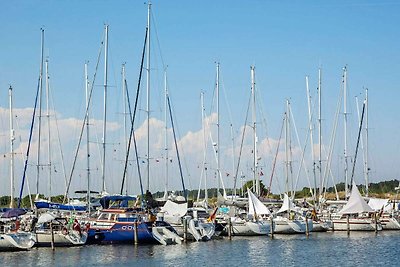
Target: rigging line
133, 119
58, 137
302, 161
331, 145
134, 142
176, 147
275, 159
358, 142
158, 41
241, 144
32, 123
84, 122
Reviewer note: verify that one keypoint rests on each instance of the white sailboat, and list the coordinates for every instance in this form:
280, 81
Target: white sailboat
356, 215
11, 236
388, 216
290, 220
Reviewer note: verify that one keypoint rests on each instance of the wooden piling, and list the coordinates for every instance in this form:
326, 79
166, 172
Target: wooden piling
272, 228
230, 228
52, 235
185, 229
348, 224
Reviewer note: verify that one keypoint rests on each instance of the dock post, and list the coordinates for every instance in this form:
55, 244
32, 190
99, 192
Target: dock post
376, 222
272, 228
230, 228
185, 229
52, 235
348, 224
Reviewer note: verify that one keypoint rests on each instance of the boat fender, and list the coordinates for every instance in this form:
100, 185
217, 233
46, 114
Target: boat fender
87, 227
64, 231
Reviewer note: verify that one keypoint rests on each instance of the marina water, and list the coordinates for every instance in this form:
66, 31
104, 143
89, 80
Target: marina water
319, 249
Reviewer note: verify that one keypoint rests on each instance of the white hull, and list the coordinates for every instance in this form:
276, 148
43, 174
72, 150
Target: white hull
16, 241
285, 226
389, 223
249, 228
201, 231
165, 236
320, 226
355, 224
72, 238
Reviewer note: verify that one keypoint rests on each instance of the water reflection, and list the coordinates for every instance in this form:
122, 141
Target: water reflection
320, 249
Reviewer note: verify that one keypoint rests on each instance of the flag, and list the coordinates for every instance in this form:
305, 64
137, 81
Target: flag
213, 215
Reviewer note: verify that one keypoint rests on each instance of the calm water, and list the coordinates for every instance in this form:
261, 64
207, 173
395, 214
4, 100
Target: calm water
320, 249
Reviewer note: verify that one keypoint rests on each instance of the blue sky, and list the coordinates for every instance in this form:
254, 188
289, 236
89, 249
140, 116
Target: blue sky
285, 40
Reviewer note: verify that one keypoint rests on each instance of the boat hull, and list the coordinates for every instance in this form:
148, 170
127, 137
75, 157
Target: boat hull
355, 225
16, 241
60, 238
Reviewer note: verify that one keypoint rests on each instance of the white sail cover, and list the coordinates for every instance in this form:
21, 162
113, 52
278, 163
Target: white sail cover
256, 206
174, 209
45, 217
377, 204
356, 203
287, 204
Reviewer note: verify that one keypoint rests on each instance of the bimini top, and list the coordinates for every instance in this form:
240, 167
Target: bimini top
121, 199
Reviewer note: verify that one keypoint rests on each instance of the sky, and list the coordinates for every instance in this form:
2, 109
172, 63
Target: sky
284, 40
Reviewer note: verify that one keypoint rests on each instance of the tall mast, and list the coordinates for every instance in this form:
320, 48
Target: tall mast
40, 115
87, 137
48, 126
319, 126
205, 147
105, 109
346, 165
287, 146
166, 135
125, 101
255, 163
218, 130
366, 144
310, 125
12, 138
148, 95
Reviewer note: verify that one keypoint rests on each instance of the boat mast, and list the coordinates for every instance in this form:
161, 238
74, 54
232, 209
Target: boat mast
319, 126
346, 165
87, 138
40, 115
205, 148
148, 96
310, 125
48, 126
287, 146
255, 163
125, 101
166, 136
366, 144
105, 109
218, 130
12, 138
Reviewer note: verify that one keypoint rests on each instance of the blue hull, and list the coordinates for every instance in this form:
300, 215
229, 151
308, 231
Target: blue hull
123, 233
57, 206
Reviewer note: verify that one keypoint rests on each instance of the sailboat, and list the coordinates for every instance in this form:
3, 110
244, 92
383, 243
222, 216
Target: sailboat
12, 237
356, 215
290, 219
